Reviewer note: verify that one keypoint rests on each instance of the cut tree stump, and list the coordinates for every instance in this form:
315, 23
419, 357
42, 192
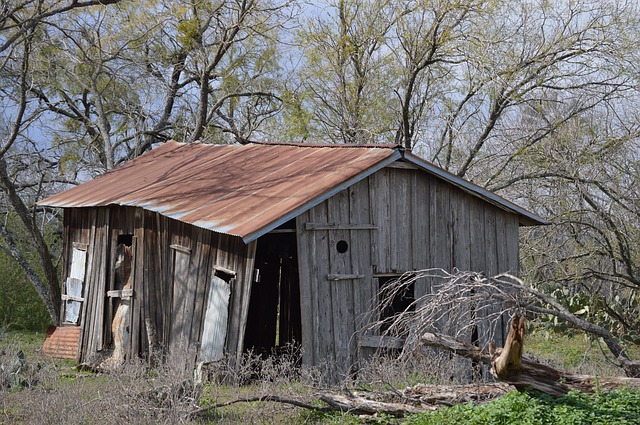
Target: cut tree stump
507, 362
510, 366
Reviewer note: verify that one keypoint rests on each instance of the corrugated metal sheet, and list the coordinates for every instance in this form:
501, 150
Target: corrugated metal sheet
243, 190
232, 189
74, 285
62, 342
215, 322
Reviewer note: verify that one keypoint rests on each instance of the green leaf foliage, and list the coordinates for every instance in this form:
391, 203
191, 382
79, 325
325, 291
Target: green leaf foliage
533, 408
20, 306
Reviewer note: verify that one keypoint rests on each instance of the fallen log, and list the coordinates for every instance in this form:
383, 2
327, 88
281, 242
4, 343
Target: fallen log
449, 395
359, 405
510, 366
416, 399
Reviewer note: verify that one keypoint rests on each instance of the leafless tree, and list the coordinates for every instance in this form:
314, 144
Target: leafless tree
19, 25
471, 307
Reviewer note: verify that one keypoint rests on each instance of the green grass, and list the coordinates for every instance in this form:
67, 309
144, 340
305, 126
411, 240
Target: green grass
527, 408
574, 352
532, 408
26, 340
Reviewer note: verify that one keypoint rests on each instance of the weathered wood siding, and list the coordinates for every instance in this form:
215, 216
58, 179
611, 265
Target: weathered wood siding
172, 267
394, 221
335, 288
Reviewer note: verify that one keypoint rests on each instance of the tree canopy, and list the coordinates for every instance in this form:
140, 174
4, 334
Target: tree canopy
533, 99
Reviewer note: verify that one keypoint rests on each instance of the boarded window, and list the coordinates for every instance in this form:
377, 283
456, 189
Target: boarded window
74, 284
215, 322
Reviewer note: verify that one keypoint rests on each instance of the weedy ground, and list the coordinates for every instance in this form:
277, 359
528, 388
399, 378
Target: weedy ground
49, 391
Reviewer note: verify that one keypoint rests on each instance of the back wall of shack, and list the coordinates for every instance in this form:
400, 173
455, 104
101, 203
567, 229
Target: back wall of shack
395, 220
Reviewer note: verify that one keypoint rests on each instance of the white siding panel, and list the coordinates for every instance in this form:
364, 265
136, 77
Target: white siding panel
215, 321
78, 262
74, 285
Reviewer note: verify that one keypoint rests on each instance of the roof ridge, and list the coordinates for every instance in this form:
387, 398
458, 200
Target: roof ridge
331, 145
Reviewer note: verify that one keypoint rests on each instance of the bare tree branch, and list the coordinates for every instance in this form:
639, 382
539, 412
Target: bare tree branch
460, 303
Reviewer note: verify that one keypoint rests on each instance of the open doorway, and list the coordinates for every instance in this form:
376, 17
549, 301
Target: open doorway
119, 301
274, 318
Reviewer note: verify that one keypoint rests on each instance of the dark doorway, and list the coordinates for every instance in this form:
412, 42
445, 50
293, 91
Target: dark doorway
274, 309
400, 298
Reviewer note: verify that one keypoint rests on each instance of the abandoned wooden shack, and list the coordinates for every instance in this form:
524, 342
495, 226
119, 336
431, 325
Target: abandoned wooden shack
205, 250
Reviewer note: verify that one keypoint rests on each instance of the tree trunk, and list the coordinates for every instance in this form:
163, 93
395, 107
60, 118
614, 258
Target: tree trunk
49, 289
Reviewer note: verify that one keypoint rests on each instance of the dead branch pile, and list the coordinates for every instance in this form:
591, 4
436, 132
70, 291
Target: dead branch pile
472, 307
510, 366
416, 399
453, 312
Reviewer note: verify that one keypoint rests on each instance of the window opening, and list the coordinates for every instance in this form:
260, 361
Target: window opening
126, 240
342, 246
124, 253
120, 301
224, 274
396, 295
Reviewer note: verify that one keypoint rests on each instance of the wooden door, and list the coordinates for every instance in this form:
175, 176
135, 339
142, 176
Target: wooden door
214, 332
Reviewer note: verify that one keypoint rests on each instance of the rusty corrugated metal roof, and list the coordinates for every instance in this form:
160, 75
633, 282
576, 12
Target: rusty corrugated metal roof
247, 190
238, 190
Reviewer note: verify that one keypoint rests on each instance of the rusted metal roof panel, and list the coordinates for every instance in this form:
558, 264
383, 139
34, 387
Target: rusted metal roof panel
62, 342
247, 190
238, 190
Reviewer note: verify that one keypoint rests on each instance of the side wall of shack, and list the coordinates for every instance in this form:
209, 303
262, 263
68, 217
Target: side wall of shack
172, 269
394, 221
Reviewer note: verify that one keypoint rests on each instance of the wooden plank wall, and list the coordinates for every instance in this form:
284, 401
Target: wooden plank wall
336, 288
313, 255
420, 222
78, 228
174, 304
179, 308
89, 226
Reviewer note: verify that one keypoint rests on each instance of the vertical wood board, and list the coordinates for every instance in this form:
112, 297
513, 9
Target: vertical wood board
178, 338
308, 289
342, 299
401, 192
421, 231
461, 231
244, 281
